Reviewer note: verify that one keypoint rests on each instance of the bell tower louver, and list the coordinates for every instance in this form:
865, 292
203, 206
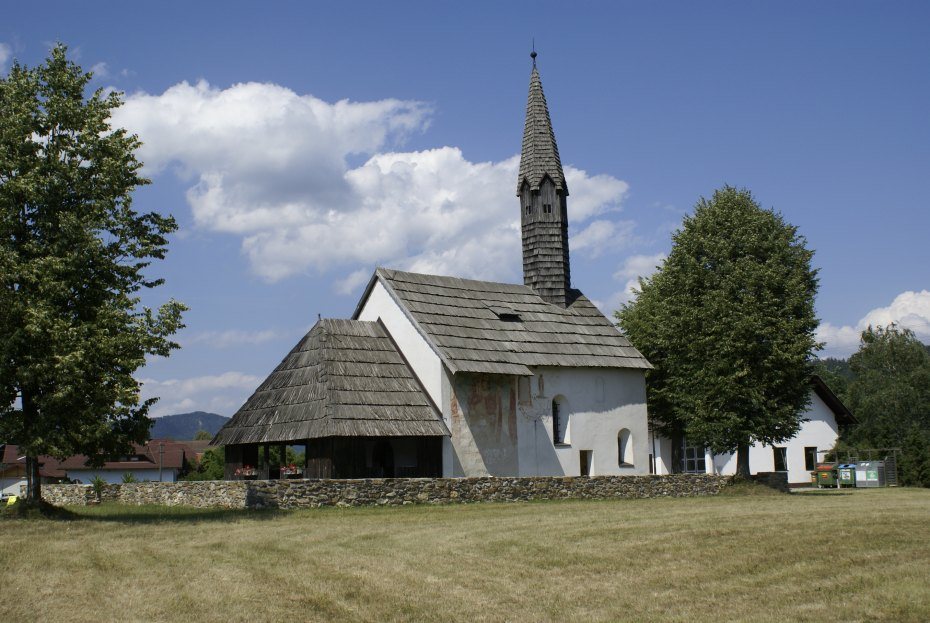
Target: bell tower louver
542, 191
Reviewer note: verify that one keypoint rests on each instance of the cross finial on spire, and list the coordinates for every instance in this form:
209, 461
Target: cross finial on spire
533, 53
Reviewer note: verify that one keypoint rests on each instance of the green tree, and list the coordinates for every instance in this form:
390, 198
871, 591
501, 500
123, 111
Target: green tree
728, 322
202, 435
73, 254
890, 397
211, 466
836, 373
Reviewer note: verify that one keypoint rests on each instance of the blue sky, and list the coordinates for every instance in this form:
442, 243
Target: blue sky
300, 145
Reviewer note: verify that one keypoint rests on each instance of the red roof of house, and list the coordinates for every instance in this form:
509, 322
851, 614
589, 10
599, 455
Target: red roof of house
49, 467
164, 452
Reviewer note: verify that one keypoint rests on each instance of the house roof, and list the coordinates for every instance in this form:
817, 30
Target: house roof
470, 325
11, 457
842, 414
344, 378
148, 456
539, 156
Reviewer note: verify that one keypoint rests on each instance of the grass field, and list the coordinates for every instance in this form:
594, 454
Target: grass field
818, 556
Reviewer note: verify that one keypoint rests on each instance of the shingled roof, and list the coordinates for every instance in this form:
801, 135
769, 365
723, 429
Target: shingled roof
540, 154
502, 328
344, 378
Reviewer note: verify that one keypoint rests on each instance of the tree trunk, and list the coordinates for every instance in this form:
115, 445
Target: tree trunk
742, 460
33, 480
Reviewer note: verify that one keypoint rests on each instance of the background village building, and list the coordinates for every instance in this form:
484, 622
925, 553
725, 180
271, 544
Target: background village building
455, 377
13, 470
798, 456
159, 460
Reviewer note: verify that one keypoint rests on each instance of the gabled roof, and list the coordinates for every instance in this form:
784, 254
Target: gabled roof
469, 325
169, 454
842, 414
12, 459
539, 156
344, 378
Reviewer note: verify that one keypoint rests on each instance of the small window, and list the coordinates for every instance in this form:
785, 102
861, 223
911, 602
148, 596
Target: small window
624, 449
810, 458
584, 460
547, 208
529, 208
781, 459
559, 421
692, 459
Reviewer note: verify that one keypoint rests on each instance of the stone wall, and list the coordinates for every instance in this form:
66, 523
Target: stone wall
385, 491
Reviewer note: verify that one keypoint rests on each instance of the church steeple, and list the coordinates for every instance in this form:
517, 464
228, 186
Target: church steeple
542, 190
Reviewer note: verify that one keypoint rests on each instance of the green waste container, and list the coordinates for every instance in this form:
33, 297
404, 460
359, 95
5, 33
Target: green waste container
826, 474
870, 474
846, 474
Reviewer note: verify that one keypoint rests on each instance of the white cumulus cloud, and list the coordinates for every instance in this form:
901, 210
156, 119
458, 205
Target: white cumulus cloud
909, 309
5, 53
222, 393
602, 236
271, 166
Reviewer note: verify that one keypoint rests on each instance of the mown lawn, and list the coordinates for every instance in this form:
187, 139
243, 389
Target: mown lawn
820, 556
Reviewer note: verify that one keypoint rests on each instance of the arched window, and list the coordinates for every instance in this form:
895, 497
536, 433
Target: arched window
559, 420
624, 448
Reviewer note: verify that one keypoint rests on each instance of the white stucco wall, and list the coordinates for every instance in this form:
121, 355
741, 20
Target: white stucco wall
113, 476
422, 358
661, 447
11, 485
820, 431
600, 403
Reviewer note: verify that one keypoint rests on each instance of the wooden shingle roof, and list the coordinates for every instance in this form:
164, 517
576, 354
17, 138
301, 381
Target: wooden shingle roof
344, 378
539, 155
501, 328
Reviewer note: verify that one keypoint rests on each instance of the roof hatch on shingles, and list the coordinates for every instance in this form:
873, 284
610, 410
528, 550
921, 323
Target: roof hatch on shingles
460, 318
505, 312
344, 378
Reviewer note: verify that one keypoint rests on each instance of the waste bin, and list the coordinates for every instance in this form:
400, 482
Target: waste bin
826, 474
846, 474
870, 474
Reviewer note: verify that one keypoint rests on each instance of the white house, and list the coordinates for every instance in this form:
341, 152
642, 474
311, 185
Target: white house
438, 375
159, 460
797, 456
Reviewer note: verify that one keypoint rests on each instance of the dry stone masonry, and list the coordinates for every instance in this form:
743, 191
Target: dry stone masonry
385, 491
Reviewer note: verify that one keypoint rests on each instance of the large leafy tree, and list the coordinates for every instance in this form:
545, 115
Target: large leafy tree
728, 322
890, 397
73, 255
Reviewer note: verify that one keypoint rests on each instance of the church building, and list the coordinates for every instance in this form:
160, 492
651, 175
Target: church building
442, 376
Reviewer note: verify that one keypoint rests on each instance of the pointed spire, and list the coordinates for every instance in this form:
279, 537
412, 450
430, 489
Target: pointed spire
540, 154
543, 203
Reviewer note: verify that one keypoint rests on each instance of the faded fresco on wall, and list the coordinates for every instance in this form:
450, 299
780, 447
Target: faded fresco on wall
484, 424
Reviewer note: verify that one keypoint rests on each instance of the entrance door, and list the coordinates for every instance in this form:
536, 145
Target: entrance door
585, 460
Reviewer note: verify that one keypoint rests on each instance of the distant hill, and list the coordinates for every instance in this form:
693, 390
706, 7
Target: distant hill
186, 425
